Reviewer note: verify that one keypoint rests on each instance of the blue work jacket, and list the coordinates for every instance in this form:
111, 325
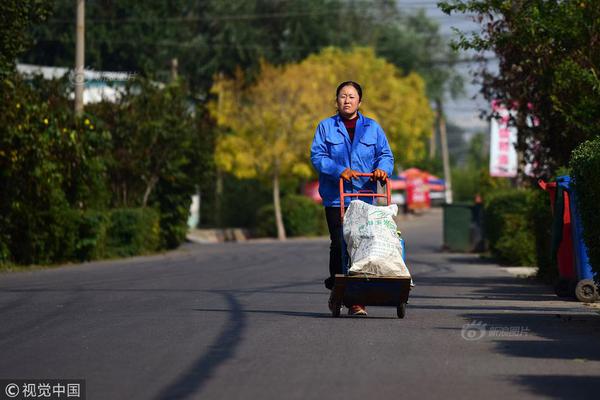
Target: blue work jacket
332, 152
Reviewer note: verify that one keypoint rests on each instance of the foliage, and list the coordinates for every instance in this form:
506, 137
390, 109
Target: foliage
507, 227
133, 231
275, 118
413, 43
92, 235
549, 63
469, 180
301, 217
50, 163
16, 19
585, 164
152, 133
541, 223
55, 170
143, 37
172, 200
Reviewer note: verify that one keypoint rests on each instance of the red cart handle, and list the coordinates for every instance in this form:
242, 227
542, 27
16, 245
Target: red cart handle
363, 193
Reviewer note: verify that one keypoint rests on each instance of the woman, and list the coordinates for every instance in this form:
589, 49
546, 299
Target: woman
344, 145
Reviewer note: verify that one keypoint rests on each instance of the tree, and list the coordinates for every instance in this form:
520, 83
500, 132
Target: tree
272, 121
549, 63
207, 37
16, 19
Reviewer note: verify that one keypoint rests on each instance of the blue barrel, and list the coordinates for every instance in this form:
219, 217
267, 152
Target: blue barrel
585, 289
582, 261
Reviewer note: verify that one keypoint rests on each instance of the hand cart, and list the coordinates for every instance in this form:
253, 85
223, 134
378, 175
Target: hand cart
368, 290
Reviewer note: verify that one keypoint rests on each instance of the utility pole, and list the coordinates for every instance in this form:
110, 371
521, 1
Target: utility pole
444, 145
79, 79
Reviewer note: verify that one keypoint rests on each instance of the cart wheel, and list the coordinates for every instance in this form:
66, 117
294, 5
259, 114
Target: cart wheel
401, 310
586, 291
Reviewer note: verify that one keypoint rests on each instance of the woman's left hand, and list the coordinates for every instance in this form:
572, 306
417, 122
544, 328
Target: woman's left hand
379, 174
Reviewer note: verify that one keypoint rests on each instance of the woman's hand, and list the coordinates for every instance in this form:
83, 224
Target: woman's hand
379, 174
349, 174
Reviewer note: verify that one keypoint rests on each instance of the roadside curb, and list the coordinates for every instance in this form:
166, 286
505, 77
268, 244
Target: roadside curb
217, 235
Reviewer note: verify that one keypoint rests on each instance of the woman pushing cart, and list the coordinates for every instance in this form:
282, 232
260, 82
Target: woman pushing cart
347, 145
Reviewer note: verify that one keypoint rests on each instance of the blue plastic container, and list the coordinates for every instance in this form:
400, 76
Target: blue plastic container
582, 261
586, 290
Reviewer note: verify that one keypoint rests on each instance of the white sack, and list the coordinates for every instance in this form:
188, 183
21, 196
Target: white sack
371, 236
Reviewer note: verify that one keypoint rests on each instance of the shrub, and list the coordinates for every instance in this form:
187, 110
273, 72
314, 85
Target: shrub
585, 166
173, 200
541, 223
301, 217
93, 227
133, 231
508, 229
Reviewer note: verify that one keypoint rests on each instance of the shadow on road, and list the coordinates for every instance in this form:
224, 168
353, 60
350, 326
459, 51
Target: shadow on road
564, 336
570, 338
222, 349
560, 386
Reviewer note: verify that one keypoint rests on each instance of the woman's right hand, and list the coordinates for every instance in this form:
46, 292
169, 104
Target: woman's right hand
349, 174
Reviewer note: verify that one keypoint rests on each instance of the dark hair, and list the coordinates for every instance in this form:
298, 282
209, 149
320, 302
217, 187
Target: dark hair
349, 83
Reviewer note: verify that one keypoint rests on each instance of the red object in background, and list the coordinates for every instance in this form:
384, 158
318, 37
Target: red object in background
565, 256
417, 184
417, 191
311, 190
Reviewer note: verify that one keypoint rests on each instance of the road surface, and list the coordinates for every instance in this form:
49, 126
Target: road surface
250, 321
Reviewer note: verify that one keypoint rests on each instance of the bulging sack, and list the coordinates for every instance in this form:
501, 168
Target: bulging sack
371, 236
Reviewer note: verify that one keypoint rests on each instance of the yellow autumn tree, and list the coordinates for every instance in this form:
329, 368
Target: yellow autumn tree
271, 122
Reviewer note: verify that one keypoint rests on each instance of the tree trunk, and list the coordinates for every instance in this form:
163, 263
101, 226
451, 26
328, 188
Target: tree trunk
277, 206
149, 188
219, 199
432, 140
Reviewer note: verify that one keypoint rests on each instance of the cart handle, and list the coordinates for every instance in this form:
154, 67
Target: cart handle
387, 195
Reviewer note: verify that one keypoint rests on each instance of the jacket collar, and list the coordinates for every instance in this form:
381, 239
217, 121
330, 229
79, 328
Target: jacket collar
362, 121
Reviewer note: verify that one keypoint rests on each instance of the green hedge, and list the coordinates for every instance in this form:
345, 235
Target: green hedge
508, 227
133, 231
301, 217
541, 223
585, 167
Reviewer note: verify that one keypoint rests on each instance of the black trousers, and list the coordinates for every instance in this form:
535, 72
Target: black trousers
334, 223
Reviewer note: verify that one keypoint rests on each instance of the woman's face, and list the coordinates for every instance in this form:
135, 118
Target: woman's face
348, 102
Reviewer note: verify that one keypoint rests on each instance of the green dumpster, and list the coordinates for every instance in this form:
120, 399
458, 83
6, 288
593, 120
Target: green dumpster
461, 230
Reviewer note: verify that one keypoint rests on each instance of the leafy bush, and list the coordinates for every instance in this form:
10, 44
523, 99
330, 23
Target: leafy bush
173, 201
301, 217
541, 223
133, 231
585, 165
93, 227
508, 229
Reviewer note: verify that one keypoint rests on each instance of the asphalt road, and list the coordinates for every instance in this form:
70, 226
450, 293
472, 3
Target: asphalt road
250, 321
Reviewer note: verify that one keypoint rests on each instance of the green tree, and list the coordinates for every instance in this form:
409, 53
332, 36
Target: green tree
16, 19
549, 63
273, 120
